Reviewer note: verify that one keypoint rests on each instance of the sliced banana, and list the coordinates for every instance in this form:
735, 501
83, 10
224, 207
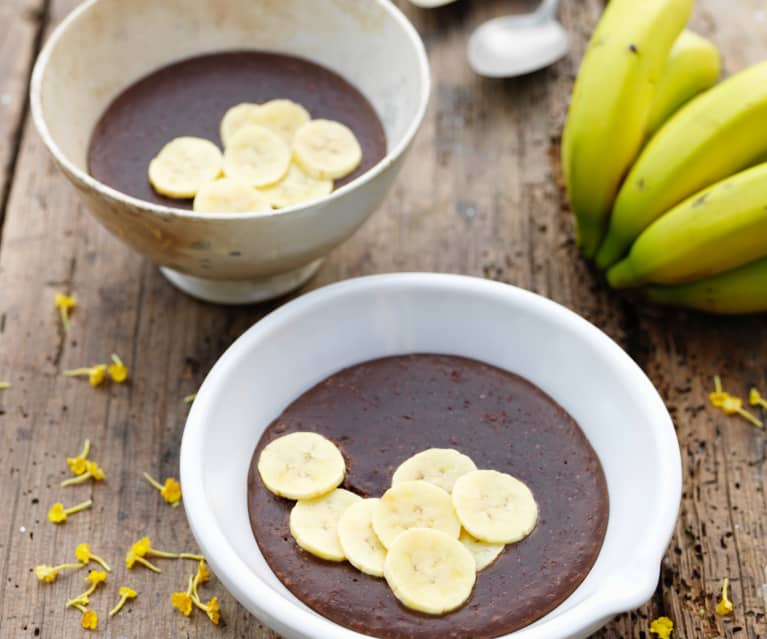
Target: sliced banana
430, 571
236, 118
301, 466
326, 149
296, 187
484, 554
494, 507
414, 504
283, 117
257, 156
183, 166
228, 195
438, 466
314, 523
359, 541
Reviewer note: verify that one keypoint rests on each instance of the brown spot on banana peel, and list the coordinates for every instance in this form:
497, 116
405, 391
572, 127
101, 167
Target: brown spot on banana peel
633, 48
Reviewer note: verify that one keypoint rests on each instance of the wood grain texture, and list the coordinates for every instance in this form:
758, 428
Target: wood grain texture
479, 196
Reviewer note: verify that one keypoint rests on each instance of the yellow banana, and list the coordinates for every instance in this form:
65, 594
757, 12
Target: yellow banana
716, 134
693, 65
737, 292
611, 104
714, 231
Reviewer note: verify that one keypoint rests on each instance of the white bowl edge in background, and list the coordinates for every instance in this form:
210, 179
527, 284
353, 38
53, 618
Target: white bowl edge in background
324, 331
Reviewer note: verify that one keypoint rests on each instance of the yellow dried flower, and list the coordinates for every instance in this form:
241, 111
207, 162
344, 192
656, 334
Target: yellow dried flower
724, 607
96, 577
84, 554
117, 370
77, 464
64, 303
170, 490
131, 559
48, 574
90, 620
730, 404
183, 600
95, 373
125, 594
92, 471
202, 573
58, 514
5, 385
211, 609
755, 398
190, 398
663, 627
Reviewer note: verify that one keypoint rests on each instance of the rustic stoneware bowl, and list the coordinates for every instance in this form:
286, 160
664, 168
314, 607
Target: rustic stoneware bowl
338, 326
105, 45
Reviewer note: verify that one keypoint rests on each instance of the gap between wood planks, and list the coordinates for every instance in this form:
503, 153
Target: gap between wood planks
42, 15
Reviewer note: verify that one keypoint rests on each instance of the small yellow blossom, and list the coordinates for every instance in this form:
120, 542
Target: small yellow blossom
5, 385
724, 607
170, 491
117, 370
92, 470
190, 398
211, 609
77, 464
64, 303
663, 627
89, 620
48, 574
95, 373
125, 594
96, 577
84, 554
201, 577
58, 514
755, 398
131, 559
183, 600
730, 404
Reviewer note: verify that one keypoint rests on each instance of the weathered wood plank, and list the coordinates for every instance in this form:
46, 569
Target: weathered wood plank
21, 21
477, 196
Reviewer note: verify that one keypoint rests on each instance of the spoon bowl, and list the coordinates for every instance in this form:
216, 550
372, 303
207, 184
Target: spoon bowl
514, 45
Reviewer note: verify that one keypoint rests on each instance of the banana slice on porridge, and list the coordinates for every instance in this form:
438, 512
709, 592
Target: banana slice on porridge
228, 195
314, 523
301, 465
359, 541
326, 149
183, 166
439, 466
257, 156
296, 187
236, 118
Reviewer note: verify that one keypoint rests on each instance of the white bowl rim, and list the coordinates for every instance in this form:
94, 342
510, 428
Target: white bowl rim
391, 156
639, 573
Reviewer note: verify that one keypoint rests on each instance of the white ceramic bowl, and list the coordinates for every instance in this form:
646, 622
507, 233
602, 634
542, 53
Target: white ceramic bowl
322, 332
105, 45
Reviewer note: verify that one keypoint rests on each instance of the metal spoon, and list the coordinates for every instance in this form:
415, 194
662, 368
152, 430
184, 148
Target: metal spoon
518, 44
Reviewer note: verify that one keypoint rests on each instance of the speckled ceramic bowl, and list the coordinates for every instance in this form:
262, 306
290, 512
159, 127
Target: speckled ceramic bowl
105, 45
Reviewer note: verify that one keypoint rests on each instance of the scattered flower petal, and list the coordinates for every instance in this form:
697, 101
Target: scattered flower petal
58, 514
663, 627
125, 594
117, 370
64, 303
48, 574
170, 490
724, 607
84, 554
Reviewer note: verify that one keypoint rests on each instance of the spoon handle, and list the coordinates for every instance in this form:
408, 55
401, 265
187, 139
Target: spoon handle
548, 8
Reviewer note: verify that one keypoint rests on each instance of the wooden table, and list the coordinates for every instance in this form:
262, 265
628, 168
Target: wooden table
478, 195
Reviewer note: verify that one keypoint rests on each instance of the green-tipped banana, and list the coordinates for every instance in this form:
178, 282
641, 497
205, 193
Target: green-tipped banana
714, 231
737, 292
716, 134
693, 65
611, 104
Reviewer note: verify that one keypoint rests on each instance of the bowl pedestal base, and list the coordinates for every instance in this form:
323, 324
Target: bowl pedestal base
241, 291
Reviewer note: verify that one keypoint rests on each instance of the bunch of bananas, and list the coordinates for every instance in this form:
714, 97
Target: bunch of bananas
667, 173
